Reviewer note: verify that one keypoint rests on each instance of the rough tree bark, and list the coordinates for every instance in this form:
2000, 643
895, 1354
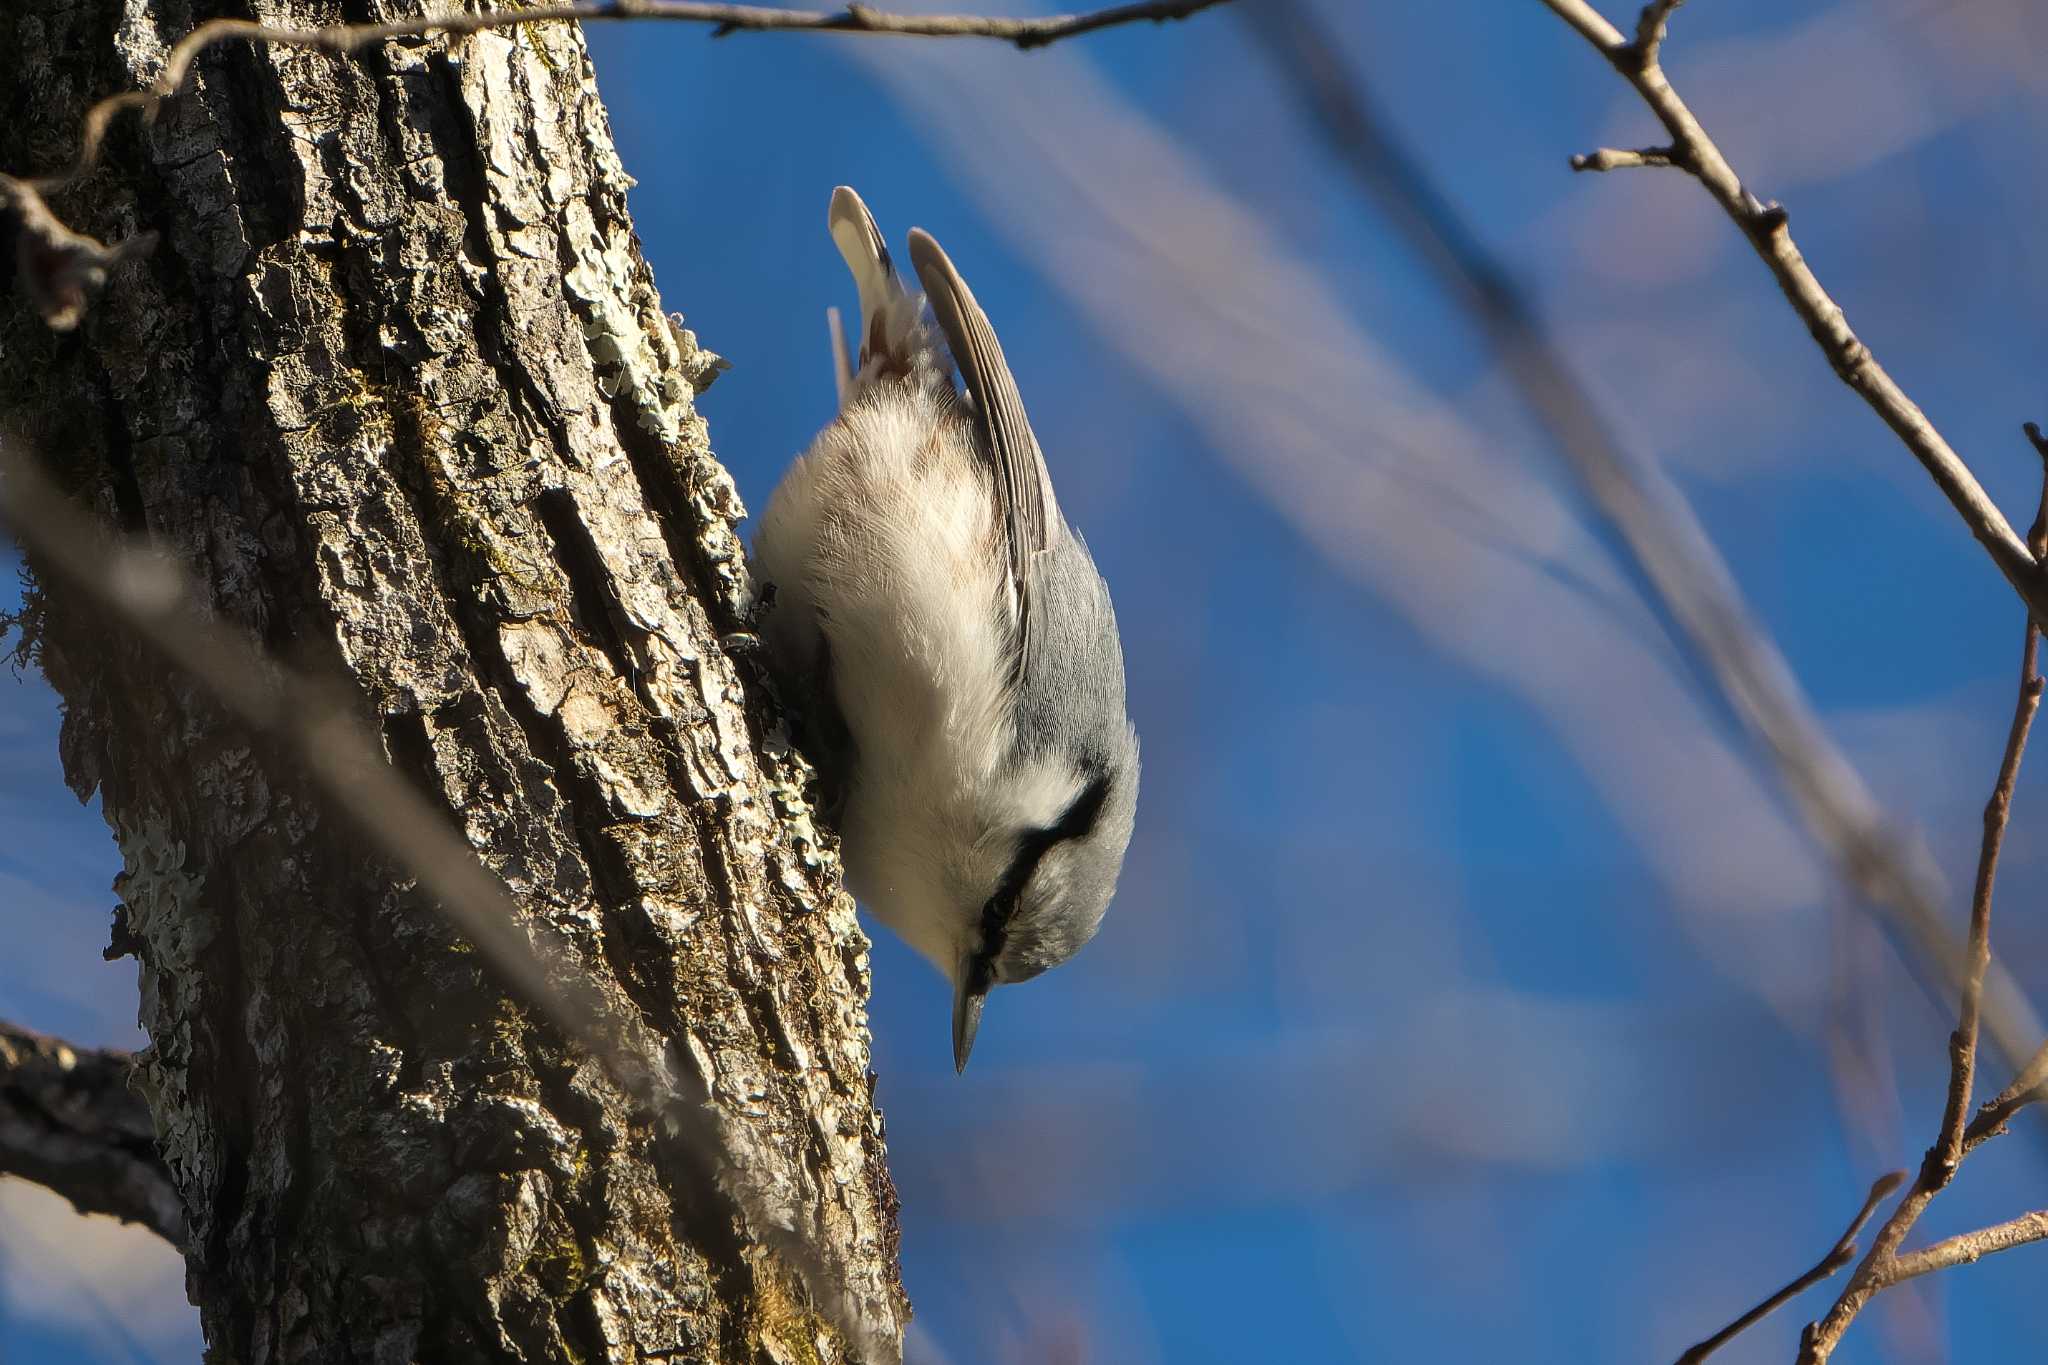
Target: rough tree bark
397, 389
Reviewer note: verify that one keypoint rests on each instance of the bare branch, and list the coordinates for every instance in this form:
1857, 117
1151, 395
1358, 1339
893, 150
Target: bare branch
1966, 1248
1949, 1149
61, 270
1616, 159
1765, 225
2029, 1087
1843, 1252
348, 38
1650, 30
70, 1123
1592, 25
1691, 581
1951, 1143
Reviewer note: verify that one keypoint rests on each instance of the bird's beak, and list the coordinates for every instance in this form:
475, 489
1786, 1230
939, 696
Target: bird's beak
967, 1001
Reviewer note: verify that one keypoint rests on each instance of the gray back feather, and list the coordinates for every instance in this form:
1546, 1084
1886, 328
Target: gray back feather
1070, 704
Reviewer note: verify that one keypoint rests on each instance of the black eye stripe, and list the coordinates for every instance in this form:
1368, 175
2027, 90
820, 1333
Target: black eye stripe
1078, 820
1075, 822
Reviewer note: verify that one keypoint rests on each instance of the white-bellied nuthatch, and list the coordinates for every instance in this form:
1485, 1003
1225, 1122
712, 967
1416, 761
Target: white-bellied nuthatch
948, 645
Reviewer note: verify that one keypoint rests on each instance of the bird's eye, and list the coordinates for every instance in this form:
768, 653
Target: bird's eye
995, 930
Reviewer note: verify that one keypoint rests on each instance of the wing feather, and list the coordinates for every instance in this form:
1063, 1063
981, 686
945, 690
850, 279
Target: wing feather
1025, 506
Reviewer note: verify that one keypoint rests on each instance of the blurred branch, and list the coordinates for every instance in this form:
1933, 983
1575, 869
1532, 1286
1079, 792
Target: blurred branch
58, 269
1690, 579
1695, 587
146, 593
70, 1123
347, 38
1843, 1252
1951, 1143
1765, 225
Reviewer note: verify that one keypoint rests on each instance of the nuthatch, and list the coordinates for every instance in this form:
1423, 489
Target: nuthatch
948, 644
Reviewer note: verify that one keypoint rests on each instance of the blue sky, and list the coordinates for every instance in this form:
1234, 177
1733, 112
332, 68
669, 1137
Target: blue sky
1468, 982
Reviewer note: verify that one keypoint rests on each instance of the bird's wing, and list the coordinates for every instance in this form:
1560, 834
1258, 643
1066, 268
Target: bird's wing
1025, 507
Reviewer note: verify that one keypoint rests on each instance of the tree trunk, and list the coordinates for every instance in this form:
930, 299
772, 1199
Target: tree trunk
396, 388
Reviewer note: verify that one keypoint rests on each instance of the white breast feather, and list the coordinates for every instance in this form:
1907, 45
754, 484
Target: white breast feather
889, 542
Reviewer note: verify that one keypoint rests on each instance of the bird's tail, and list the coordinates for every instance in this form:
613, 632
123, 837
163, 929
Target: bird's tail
893, 337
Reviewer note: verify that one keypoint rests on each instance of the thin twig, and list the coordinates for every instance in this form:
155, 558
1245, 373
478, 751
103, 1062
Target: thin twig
2030, 1083
1843, 1252
1966, 1248
1950, 1144
1765, 225
1650, 29
346, 38
1948, 1151
1025, 33
1691, 581
2029, 1087
1616, 159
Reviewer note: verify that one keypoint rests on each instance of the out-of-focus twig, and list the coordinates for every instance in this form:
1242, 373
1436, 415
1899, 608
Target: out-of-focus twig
58, 269
1765, 226
1843, 1252
1659, 528
147, 594
1951, 1141
735, 18
1859, 1049
70, 1123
